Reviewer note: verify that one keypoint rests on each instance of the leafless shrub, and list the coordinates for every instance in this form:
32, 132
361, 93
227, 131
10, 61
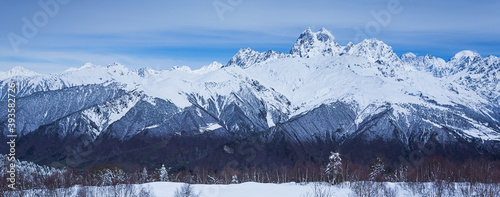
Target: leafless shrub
479, 189
372, 189
319, 190
390, 192
186, 190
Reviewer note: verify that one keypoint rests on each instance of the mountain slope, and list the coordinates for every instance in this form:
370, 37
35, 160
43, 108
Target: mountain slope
319, 97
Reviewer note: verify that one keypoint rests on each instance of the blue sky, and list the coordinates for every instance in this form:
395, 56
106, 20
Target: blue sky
162, 34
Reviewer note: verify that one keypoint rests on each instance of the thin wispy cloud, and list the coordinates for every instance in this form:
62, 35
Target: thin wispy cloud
168, 33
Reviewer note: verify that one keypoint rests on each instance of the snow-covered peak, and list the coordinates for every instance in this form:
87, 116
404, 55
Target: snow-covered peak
463, 60
437, 66
111, 68
19, 71
243, 57
408, 56
324, 35
117, 65
347, 48
373, 50
205, 69
87, 65
181, 68
248, 57
465, 54
147, 72
311, 44
211, 67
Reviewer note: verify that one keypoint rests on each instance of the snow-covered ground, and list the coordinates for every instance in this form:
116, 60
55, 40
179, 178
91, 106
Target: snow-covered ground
252, 189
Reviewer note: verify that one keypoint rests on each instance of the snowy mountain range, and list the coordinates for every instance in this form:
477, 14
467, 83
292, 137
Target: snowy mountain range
361, 99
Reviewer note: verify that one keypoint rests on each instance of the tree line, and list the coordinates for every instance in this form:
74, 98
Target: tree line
336, 170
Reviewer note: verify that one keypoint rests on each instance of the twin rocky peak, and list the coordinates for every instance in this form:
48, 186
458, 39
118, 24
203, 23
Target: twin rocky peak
312, 44
322, 43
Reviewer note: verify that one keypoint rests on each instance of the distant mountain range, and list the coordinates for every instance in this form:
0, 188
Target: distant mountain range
274, 108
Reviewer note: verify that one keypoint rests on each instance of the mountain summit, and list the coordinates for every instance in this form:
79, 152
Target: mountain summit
310, 44
317, 44
17, 71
